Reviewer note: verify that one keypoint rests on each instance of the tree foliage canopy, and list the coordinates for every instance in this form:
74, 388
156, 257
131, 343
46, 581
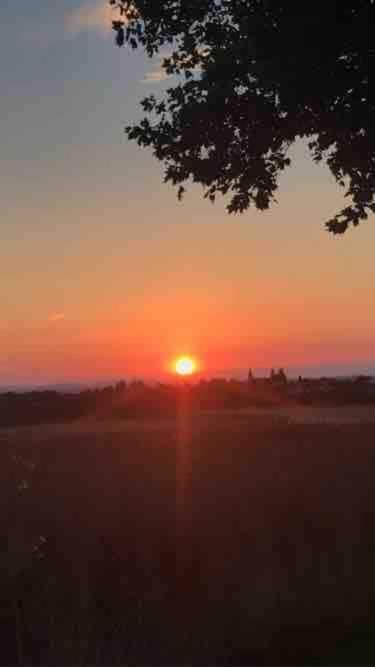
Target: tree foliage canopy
254, 76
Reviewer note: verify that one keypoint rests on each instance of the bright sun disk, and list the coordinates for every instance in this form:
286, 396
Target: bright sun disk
185, 366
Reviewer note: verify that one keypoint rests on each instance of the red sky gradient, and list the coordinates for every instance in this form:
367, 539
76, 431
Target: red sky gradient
105, 275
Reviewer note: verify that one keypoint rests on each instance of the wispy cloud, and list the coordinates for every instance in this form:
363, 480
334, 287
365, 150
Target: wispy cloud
94, 16
56, 317
157, 73
155, 76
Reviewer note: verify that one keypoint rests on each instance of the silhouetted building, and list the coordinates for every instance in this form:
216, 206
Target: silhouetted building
278, 378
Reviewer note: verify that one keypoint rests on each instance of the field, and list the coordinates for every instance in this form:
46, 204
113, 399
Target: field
269, 559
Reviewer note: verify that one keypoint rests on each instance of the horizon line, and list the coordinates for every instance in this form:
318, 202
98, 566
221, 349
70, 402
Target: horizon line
239, 375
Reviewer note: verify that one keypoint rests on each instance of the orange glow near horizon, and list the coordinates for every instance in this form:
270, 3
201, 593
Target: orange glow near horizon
185, 366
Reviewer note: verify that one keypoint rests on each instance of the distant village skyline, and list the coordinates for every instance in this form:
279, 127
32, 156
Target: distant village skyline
343, 372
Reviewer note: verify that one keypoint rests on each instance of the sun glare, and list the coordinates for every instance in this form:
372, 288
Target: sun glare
185, 366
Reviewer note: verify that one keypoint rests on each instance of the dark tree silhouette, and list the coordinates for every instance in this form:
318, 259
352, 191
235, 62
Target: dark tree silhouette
255, 75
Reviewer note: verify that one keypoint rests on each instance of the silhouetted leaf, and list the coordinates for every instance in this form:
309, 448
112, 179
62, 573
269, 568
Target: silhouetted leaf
256, 76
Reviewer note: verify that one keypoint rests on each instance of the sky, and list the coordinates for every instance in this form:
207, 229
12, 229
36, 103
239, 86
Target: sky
105, 275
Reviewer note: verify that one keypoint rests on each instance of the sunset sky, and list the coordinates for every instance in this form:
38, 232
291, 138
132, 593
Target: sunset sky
105, 275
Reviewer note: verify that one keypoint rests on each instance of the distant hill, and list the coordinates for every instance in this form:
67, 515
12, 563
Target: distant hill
63, 388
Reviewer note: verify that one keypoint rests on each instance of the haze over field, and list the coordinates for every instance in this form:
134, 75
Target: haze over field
106, 275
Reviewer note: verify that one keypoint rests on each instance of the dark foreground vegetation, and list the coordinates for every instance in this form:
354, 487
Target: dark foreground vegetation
278, 551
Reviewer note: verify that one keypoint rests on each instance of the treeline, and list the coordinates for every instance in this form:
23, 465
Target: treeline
139, 400
128, 400
334, 391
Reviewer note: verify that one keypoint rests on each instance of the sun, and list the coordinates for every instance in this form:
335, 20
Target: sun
185, 366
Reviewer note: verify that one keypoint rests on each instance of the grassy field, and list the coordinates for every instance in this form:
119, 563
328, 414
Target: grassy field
275, 562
